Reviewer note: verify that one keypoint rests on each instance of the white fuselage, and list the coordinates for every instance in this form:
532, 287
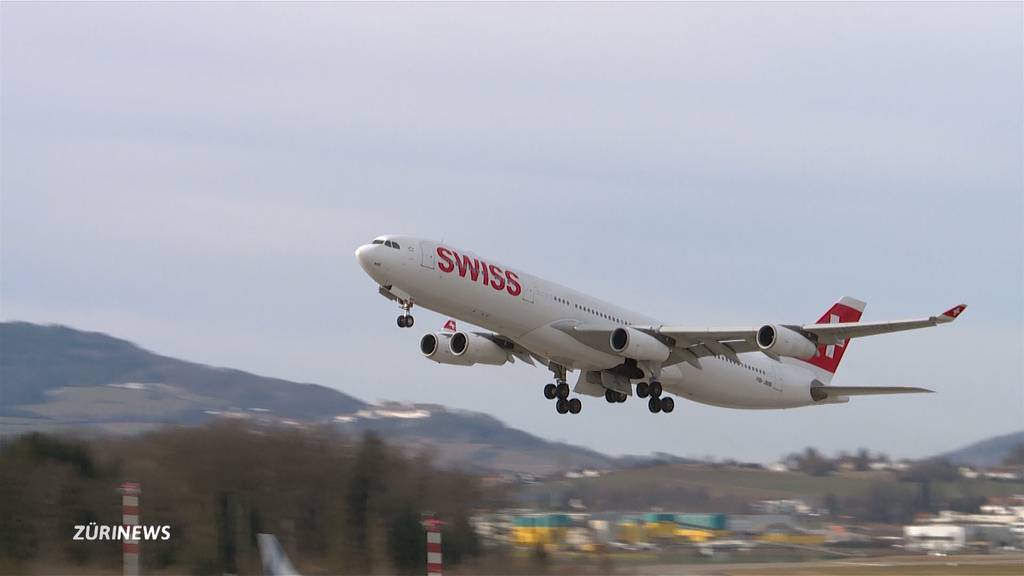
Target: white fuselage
523, 308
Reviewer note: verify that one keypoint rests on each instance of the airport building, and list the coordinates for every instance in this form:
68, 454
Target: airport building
948, 538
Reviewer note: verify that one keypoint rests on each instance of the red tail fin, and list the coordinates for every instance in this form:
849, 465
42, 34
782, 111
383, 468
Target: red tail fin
846, 310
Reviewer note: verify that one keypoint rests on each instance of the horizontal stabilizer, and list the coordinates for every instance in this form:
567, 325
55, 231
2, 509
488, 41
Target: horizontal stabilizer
823, 392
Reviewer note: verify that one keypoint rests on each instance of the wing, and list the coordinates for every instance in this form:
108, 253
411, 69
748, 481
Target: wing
688, 345
827, 334
823, 392
692, 343
515, 349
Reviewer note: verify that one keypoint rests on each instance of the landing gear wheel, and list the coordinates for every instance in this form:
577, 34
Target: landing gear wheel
611, 396
621, 397
550, 391
643, 389
563, 390
562, 406
405, 320
575, 406
655, 389
667, 405
654, 405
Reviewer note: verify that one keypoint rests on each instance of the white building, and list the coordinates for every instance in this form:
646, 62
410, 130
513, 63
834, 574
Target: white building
955, 537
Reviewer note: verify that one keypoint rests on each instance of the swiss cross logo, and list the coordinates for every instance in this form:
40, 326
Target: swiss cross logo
450, 325
829, 355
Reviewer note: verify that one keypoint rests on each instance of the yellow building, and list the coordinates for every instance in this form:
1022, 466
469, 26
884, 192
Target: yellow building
544, 529
695, 534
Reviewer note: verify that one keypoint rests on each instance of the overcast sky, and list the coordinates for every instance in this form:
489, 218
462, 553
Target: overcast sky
195, 178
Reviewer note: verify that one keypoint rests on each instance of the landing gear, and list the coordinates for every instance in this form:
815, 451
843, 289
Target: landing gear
654, 405
643, 389
614, 396
405, 320
654, 389
562, 406
559, 392
665, 405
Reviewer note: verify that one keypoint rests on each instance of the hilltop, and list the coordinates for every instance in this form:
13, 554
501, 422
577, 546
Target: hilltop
56, 378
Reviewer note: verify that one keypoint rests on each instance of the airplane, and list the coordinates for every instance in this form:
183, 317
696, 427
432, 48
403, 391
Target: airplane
273, 558
618, 353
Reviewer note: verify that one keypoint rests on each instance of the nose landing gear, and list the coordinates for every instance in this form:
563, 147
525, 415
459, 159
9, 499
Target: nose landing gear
405, 320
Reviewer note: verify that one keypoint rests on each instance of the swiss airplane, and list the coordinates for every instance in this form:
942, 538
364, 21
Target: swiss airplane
617, 352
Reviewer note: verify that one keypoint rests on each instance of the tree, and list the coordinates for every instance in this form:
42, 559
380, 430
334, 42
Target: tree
862, 461
813, 463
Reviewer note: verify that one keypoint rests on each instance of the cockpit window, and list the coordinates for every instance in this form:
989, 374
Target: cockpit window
378, 241
395, 246
388, 243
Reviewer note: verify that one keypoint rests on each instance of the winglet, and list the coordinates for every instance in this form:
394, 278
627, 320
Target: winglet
952, 313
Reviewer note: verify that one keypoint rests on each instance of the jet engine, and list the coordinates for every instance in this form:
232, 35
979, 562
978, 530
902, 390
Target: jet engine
783, 341
632, 343
476, 349
434, 345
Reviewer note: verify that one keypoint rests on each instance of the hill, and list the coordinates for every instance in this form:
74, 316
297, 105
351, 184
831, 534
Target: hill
988, 452
55, 378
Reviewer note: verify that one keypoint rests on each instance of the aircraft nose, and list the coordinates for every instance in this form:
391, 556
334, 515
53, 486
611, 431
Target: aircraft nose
363, 256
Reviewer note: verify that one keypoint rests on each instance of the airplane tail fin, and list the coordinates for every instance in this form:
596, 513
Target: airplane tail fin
275, 562
828, 357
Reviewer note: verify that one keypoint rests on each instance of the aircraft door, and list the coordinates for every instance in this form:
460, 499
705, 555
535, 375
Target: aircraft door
427, 258
528, 294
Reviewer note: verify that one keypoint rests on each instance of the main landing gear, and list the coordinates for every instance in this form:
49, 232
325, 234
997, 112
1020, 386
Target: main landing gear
405, 320
560, 394
654, 389
665, 405
614, 396
656, 403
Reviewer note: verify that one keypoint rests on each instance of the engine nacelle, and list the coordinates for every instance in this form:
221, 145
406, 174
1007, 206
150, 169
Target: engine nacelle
782, 341
476, 349
632, 343
434, 345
